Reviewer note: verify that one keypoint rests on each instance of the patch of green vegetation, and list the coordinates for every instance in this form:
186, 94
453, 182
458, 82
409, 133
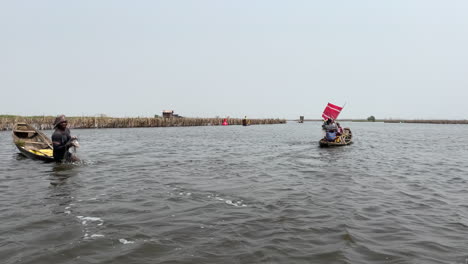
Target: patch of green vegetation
19, 143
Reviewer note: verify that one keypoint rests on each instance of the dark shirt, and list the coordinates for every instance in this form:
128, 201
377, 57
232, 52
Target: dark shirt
61, 140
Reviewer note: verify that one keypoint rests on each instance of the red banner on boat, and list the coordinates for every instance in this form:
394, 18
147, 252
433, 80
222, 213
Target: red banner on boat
331, 111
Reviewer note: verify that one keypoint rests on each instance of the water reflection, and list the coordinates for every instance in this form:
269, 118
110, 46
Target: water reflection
61, 194
61, 172
19, 156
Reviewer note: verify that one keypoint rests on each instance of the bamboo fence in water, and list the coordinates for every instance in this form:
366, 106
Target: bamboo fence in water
416, 121
421, 121
46, 122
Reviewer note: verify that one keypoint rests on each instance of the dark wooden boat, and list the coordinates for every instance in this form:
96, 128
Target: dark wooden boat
345, 139
32, 143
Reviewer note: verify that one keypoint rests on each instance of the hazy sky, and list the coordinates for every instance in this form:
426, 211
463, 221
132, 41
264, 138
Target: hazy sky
390, 59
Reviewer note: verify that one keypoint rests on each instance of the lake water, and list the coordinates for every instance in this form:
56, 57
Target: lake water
257, 194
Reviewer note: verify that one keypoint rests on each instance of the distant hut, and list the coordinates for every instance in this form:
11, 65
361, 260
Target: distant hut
168, 113
301, 119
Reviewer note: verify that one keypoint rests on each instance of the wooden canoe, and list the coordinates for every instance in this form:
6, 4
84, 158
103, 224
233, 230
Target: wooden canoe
345, 139
32, 143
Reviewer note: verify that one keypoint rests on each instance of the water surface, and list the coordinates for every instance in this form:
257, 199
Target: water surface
257, 194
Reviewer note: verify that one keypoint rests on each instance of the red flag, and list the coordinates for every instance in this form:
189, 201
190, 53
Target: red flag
331, 111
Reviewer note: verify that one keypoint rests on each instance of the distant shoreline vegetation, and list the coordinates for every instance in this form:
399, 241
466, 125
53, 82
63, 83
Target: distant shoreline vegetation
416, 121
45, 122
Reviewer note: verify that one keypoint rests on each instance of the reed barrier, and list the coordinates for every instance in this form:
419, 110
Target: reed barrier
421, 121
46, 122
416, 121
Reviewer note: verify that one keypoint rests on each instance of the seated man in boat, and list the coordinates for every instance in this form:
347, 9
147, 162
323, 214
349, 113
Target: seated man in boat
325, 123
330, 135
62, 141
329, 124
339, 129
